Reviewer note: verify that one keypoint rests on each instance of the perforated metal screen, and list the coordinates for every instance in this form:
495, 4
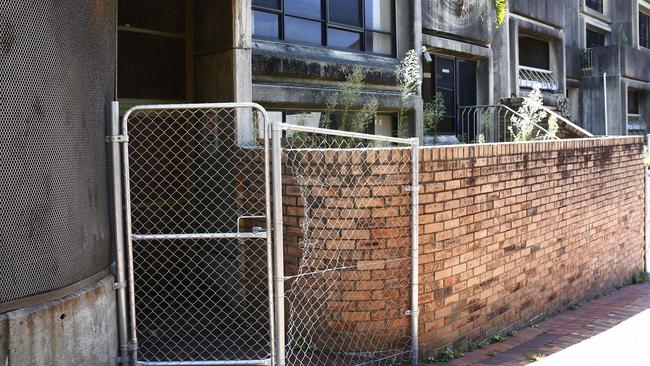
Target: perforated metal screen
56, 83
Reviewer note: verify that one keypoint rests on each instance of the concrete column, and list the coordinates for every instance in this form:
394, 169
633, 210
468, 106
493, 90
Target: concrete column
500, 61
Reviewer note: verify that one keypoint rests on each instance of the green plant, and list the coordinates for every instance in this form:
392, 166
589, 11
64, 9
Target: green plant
433, 113
622, 36
534, 357
511, 333
408, 79
497, 338
501, 7
472, 347
491, 353
574, 305
639, 278
448, 354
529, 116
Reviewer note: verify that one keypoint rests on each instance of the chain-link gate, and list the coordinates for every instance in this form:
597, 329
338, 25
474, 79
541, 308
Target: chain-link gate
346, 211
196, 183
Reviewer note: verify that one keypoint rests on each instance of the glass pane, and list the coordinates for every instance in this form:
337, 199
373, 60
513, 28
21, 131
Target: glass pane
379, 43
166, 16
141, 73
266, 24
304, 31
534, 53
345, 12
445, 73
275, 4
379, 15
304, 8
343, 39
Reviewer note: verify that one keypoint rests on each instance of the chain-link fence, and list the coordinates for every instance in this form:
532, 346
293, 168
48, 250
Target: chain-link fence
198, 199
348, 248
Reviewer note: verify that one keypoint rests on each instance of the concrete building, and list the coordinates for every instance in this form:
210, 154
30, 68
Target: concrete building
291, 56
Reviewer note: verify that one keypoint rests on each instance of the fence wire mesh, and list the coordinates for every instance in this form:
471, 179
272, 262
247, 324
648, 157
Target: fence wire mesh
347, 242
206, 297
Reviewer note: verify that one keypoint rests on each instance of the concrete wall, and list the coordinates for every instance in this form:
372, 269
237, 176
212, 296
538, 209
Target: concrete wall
550, 12
78, 329
470, 20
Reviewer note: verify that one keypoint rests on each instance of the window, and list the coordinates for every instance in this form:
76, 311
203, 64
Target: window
534, 53
357, 25
597, 5
632, 102
595, 39
644, 30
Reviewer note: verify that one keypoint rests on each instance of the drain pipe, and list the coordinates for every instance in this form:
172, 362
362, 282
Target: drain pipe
605, 96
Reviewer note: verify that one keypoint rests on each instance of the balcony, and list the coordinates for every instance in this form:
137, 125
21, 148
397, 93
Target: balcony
630, 62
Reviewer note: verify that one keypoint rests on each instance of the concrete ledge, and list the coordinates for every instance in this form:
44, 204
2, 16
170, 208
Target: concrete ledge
78, 329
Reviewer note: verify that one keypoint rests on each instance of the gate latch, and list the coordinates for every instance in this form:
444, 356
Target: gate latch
130, 346
118, 285
117, 138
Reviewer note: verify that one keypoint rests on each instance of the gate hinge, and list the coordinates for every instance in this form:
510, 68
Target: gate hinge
118, 285
130, 346
123, 360
413, 188
117, 138
411, 312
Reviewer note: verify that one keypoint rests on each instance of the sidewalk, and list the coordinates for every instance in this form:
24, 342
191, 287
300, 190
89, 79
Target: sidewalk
611, 330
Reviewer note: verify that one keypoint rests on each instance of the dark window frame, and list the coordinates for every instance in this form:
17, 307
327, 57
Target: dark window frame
364, 30
597, 34
596, 5
644, 30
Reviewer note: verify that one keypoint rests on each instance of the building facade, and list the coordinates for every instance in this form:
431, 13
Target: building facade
590, 58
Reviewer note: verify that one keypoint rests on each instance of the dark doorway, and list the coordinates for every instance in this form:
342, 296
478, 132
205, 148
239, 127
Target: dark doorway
455, 80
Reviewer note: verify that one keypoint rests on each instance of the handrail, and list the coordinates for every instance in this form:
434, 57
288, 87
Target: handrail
529, 76
568, 123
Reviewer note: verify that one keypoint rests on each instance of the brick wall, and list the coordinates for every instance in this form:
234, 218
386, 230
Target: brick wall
508, 233
512, 232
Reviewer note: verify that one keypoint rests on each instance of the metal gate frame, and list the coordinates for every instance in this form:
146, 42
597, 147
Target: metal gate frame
277, 129
125, 284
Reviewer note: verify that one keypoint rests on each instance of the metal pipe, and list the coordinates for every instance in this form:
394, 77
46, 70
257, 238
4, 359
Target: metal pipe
605, 99
133, 341
278, 241
206, 363
355, 135
647, 212
118, 232
269, 229
259, 235
415, 214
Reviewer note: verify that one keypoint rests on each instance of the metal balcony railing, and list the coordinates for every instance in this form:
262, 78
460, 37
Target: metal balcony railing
488, 123
530, 77
636, 125
587, 59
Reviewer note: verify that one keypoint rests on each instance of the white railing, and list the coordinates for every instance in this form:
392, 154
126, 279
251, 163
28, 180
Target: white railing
567, 123
530, 77
587, 59
635, 123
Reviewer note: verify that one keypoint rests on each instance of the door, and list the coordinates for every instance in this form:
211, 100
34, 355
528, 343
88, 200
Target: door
198, 233
466, 96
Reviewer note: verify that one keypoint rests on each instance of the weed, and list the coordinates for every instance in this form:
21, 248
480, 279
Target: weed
534, 357
491, 353
511, 333
497, 338
640, 277
574, 305
472, 346
449, 354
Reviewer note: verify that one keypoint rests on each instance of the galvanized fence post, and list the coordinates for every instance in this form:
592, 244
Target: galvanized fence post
647, 212
278, 240
118, 230
415, 213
